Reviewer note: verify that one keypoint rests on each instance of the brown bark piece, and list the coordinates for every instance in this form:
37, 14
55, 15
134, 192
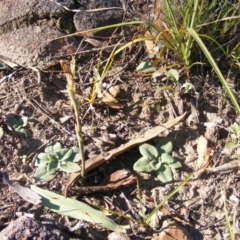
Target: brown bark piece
172, 231
203, 155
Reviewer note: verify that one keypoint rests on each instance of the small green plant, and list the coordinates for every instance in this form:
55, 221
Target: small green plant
17, 123
172, 75
157, 158
145, 67
56, 158
235, 136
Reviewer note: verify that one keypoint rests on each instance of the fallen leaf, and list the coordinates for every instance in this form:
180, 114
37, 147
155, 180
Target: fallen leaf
9, 63
94, 42
26, 193
114, 90
172, 231
149, 43
115, 177
166, 212
111, 101
203, 155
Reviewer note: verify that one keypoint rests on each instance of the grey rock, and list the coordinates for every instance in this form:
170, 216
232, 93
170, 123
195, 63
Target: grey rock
28, 228
87, 20
15, 15
27, 46
28, 26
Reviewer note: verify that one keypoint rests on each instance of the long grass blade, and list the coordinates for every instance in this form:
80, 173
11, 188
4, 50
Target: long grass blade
148, 219
215, 68
230, 228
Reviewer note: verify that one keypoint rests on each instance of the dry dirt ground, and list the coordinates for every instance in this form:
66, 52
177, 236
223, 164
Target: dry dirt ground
197, 207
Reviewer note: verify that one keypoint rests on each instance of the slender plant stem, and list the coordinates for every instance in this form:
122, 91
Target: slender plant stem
69, 71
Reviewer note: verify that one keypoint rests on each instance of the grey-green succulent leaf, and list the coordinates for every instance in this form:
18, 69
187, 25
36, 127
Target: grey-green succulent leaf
42, 175
145, 67
142, 165
53, 147
176, 164
41, 170
46, 178
77, 157
155, 165
164, 174
18, 124
69, 167
52, 167
75, 209
173, 75
148, 151
42, 159
164, 147
166, 158
66, 154
53, 156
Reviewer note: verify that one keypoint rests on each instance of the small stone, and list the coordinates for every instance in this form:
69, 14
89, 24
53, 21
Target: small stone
118, 236
171, 230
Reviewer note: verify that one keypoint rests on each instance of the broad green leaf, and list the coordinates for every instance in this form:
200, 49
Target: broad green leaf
46, 178
53, 156
164, 174
145, 67
236, 129
142, 165
155, 165
164, 147
75, 209
173, 74
233, 137
18, 124
69, 167
52, 167
176, 164
41, 170
77, 157
232, 145
54, 147
42, 158
187, 86
42, 175
148, 151
166, 158
66, 155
